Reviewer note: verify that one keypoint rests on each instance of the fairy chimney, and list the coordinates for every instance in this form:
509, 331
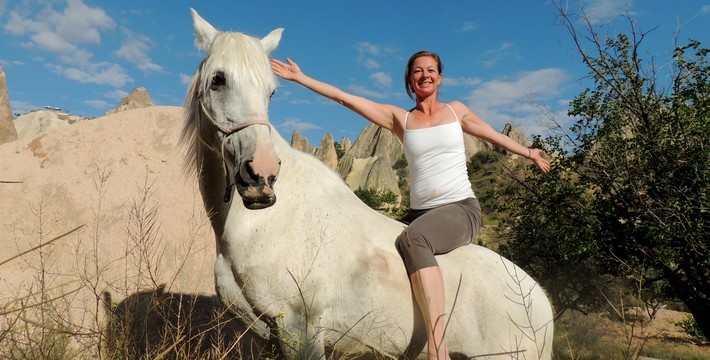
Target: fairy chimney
299, 142
372, 141
326, 151
8, 132
138, 98
345, 144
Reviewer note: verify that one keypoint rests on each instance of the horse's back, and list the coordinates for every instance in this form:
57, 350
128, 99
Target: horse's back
496, 303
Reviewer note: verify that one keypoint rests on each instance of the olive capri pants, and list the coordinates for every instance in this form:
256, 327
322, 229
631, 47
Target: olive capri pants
437, 231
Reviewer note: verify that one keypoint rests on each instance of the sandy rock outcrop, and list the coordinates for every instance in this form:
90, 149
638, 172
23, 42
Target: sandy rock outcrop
326, 151
300, 142
137, 99
8, 132
39, 122
368, 163
517, 135
345, 144
118, 181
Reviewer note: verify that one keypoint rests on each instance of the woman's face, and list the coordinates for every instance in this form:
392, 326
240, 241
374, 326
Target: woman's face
425, 77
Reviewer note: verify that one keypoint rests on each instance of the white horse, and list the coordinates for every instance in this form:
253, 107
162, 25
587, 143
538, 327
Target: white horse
318, 265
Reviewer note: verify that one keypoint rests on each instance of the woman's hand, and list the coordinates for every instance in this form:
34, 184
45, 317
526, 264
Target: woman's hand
536, 156
289, 71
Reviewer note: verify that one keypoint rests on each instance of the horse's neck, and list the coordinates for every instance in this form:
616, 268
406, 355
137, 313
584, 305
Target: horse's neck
212, 186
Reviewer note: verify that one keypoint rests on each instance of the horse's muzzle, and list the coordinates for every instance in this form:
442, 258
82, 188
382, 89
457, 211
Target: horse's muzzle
255, 187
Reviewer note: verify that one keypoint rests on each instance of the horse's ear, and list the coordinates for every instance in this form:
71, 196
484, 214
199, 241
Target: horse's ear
271, 41
204, 32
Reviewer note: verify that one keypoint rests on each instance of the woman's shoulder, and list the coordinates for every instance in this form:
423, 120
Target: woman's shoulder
456, 104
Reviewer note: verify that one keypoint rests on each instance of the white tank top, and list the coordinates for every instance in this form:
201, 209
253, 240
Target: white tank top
437, 164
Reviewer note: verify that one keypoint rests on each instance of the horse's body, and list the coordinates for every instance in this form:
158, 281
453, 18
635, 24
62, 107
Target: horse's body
318, 261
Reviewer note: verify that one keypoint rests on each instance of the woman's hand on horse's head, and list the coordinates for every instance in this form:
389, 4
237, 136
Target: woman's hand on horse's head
289, 71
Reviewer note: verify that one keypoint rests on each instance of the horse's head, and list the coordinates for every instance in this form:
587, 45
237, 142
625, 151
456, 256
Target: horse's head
228, 105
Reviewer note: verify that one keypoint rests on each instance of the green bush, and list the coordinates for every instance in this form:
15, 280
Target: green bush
376, 199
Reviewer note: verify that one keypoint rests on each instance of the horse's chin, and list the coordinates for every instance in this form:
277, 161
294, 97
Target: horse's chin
258, 205
256, 197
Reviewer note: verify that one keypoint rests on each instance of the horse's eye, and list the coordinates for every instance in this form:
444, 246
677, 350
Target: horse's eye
272, 94
218, 80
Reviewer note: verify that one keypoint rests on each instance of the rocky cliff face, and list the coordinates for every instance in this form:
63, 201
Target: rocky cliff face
369, 162
138, 98
7, 126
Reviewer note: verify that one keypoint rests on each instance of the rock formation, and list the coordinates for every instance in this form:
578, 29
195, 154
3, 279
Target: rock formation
299, 142
41, 121
345, 144
7, 126
373, 141
138, 98
326, 151
517, 135
368, 162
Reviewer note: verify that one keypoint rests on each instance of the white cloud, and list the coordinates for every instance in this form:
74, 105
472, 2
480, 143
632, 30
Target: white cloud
185, 79
21, 107
370, 64
382, 79
77, 57
135, 50
603, 11
97, 104
116, 94
150, 67
468, 26
5, 63
81, 24
291, 124
77, 24
52, 42
62, 32
705, 9
493, 56
98, 73
461, 81
365, 48
18, 25
510, 100
368, 52
364, 92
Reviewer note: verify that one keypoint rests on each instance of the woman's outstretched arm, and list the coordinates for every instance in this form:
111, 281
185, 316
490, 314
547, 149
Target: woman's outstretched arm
474, 125
383, 115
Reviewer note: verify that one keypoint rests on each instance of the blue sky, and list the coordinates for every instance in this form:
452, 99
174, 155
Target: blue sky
506, 59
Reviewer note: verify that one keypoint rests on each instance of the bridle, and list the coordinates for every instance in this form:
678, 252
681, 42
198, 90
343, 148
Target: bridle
227, 131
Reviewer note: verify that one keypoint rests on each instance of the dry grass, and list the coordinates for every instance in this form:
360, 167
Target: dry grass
72, 315
602, 336
68, 313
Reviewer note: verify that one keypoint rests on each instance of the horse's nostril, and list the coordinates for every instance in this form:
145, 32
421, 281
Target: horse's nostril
246, 172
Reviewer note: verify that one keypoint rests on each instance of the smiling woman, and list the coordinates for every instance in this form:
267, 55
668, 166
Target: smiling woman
445, 213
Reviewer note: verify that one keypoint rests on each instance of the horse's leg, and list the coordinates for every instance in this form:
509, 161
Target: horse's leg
301, 339
419, 335
232, 297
